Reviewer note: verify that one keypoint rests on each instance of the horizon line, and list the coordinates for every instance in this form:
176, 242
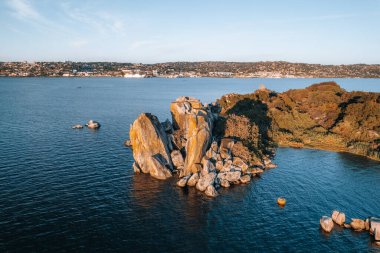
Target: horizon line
169, 62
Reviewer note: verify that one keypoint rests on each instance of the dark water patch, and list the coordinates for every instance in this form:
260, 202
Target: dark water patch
65, 190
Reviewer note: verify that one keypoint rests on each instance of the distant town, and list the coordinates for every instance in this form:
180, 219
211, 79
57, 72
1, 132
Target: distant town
277, 69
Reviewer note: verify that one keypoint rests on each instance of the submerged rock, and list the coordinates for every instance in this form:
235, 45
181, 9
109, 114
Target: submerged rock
346, 225
326, 224
77, 126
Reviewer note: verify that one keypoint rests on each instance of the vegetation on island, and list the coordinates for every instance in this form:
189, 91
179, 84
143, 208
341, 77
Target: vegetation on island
322, 116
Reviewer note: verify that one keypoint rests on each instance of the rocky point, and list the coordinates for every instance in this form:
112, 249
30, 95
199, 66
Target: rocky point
233, 139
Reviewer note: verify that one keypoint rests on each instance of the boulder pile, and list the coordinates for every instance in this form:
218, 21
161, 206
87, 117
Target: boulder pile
371, 224
193, 146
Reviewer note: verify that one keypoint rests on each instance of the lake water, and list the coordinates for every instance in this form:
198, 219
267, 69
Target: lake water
64, 190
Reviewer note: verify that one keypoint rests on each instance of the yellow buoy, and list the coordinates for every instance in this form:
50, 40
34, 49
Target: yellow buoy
281, 201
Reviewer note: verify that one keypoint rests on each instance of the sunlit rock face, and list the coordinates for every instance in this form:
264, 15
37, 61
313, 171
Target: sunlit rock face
235, 138
194, 121
150, 146
195, 146
326, 223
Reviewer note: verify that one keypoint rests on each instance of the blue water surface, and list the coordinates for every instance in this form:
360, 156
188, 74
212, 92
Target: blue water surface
65, 190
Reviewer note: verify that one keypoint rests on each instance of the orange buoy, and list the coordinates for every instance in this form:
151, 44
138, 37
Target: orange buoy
281, 201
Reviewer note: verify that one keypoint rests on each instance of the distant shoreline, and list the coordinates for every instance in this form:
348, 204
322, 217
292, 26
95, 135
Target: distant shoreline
276, 69
121, 77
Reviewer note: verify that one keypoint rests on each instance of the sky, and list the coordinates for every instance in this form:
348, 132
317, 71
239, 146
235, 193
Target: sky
151, 31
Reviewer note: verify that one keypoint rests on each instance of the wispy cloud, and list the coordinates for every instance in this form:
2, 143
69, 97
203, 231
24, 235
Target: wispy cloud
22, 9
26, 11
100, 21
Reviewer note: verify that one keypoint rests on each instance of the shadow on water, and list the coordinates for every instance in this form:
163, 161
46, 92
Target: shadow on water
358, 160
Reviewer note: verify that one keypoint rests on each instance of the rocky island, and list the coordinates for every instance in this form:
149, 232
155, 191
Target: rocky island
233, 139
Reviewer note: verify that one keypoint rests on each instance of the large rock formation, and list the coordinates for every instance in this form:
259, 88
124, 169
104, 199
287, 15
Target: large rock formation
192, 147
322, 116
192, 122
233, 139
150, 146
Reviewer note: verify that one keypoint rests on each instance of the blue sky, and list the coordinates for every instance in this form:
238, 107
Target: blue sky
148, 31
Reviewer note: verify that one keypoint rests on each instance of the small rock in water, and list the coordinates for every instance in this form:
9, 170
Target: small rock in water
245, 179
346, 225
377, 236
77, 127
367, 224
357, 224
127, 143
193, 179
182, 182
136, 168
205, 181
93, 124
326, 223
374, 223
338, 217
271, 166
224, 183
210, 191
